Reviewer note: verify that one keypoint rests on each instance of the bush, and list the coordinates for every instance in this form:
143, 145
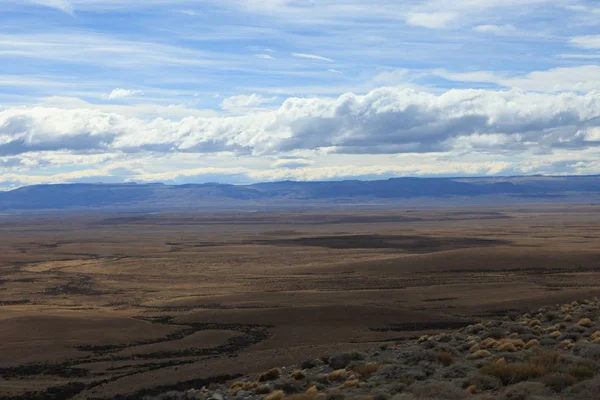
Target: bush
445, 358
439, 390
366, 369
580, 372
270, 375
525, 391
559, 382
509, 374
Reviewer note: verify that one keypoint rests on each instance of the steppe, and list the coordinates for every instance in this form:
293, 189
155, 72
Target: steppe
127, 305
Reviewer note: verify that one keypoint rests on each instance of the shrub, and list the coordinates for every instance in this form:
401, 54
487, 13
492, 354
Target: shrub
439, 390
526, 391
558, 382
270, 375
532, 343
366, 369
586, 322
510, 374
555, 334
338, 375
507, 347
580, 372
445, 358
298, 375
480, 354
277, 395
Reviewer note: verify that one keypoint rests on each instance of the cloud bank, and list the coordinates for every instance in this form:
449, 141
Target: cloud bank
383, 121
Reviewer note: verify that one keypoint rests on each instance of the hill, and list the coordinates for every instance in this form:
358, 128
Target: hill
399, 191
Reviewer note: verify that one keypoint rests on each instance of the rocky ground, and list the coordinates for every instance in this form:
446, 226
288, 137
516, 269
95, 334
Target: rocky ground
553, 353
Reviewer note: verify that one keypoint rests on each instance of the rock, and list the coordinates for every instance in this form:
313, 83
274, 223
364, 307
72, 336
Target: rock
216, 396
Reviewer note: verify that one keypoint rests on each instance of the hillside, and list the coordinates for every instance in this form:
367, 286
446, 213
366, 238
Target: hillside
416, 191
552, 354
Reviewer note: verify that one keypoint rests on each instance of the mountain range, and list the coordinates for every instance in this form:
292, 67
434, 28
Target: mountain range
395, 191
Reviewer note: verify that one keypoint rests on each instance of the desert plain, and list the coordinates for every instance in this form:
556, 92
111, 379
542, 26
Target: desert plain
104, 306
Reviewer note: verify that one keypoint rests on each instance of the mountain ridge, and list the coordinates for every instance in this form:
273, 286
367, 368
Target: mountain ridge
160, 196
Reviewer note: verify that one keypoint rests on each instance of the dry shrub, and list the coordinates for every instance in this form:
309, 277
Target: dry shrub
507, 347
558, 382
366, 369
535, 322
445, 358
568, 318
480, 354
298, 375
595, 335
351, 383
565, 344
488, 343
338, 375
586, 323
532, 343
555, 334
243, 386
539, 365
270, 375
276, 395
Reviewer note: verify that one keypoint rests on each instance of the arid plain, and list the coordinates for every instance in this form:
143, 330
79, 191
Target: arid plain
118, 306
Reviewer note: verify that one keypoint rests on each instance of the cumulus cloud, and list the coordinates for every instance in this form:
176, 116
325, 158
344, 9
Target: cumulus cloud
122, 93
383, 121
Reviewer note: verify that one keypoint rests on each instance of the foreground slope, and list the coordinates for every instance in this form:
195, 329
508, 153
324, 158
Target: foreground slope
552, 353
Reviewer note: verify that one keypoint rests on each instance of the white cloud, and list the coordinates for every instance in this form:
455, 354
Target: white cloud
312, 57
122, 93
61, 5
244, 102
591, 42
384, 121
434, 20
335, 71
265, 56
499, 30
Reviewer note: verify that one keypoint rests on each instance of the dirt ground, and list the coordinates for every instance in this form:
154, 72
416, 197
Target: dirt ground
111, 306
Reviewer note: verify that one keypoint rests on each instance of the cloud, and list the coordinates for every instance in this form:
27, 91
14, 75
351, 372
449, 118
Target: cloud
291, 163
335, 71
122, 93
383, 121
434, 20
241, 102
312, 57
265, 56
61, 5
590, 42
499, 30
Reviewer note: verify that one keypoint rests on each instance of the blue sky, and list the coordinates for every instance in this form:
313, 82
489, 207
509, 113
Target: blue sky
243, 91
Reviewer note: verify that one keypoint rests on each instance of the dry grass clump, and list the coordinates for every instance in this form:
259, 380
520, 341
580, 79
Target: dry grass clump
352, 382
480, 354
338, 375
586, 323
539, 365
276, 395
555, 334
489, 343
531, 344
595, 335
298, 375
445, 358
243, 386
366, 369
568, 318
565, 344
270, 375
507, 347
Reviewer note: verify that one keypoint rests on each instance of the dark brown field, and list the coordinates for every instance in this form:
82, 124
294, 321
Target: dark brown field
124, 305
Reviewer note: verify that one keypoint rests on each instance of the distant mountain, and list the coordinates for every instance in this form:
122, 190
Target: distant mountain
396, 191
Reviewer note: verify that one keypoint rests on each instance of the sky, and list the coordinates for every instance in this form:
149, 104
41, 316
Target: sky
242, 91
